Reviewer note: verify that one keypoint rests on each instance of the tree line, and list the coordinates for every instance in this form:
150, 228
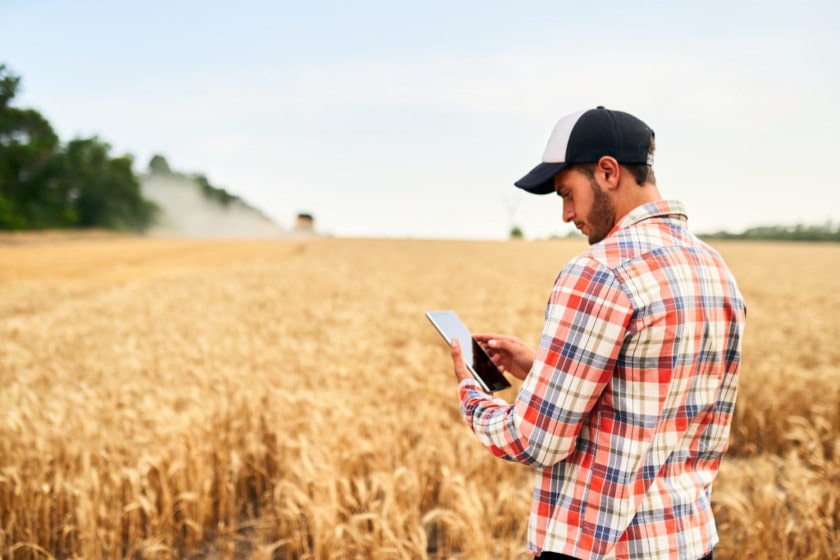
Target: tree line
798, 232
47, 184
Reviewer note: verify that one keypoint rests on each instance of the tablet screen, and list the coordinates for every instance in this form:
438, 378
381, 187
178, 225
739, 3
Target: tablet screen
479, 363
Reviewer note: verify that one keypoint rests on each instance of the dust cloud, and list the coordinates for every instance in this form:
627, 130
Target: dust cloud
186, 212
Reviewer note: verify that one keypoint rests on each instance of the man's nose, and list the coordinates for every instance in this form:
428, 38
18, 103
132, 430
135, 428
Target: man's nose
568, 212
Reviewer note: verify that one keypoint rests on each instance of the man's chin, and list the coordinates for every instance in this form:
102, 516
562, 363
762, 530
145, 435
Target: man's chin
596, 237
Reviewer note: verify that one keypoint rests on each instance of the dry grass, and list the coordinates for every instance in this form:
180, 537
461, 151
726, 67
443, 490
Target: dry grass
245, 399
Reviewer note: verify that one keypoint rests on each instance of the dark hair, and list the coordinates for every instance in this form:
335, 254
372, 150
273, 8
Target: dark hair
641, 172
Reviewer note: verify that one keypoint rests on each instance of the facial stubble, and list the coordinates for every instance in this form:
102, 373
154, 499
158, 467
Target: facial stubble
601, 217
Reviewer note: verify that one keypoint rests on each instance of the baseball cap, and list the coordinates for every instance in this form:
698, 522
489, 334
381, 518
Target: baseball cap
585, 137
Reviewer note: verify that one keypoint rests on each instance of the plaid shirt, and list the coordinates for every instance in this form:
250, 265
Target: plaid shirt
627, 409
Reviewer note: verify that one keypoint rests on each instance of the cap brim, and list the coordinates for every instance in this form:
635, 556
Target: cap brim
540, 180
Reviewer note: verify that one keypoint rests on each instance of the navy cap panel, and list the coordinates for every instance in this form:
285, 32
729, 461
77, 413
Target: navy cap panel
592, 138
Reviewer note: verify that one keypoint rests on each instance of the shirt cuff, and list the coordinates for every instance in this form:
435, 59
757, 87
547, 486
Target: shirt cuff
467, 385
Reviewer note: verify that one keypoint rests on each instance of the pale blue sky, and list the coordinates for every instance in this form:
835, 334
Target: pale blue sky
384, 118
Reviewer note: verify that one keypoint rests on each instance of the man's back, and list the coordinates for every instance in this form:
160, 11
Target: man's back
650, 445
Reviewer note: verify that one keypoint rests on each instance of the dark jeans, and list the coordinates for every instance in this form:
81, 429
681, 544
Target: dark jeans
556, 556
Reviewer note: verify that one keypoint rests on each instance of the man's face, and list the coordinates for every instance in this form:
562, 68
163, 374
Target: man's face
585, 204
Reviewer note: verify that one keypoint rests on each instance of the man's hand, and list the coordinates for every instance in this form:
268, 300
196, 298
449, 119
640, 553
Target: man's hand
508, 353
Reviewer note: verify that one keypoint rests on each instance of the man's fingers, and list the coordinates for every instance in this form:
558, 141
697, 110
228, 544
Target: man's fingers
458, 361
485, 337
501, 345
455, 348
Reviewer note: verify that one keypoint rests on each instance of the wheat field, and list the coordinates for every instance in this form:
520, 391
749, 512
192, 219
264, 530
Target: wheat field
288, 399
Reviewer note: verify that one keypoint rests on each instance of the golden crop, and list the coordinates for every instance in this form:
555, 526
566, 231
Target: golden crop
288, 399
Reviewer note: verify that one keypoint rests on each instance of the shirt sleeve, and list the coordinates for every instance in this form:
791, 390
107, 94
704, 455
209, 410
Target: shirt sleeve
586, 321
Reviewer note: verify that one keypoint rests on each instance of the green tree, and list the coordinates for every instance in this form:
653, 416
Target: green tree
46, 185
216, 194
102, 191
29, 195
159, 166
9, 84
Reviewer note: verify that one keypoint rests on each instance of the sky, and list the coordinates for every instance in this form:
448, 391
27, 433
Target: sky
413, 119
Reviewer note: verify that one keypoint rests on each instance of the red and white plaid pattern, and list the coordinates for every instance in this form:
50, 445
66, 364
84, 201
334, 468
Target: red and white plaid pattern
627, 409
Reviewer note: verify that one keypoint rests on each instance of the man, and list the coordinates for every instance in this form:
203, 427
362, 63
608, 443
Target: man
625, 407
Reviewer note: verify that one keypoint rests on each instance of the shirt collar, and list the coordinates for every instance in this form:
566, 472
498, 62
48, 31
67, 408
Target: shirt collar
673, 209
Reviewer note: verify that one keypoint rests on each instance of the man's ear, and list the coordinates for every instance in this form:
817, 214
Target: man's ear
609, 169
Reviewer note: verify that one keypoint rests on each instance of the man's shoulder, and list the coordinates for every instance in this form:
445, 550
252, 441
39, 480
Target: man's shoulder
616, 249
600, 262
646, 230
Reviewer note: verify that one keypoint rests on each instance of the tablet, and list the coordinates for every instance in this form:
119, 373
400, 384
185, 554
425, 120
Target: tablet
478, 362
